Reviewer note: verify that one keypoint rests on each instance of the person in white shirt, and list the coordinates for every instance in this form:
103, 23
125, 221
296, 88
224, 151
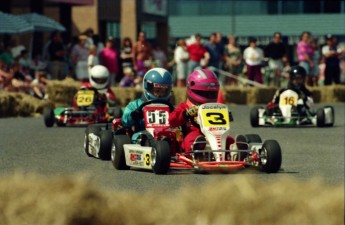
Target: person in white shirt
181, 57
253, 57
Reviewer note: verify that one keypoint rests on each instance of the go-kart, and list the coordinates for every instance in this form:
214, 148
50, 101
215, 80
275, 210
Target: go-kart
158, 148
91, 107
98, 139
291, 111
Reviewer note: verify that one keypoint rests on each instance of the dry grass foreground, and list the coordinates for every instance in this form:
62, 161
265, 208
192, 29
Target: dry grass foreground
74, 200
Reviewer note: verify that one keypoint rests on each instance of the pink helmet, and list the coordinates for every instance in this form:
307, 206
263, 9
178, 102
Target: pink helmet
202, 87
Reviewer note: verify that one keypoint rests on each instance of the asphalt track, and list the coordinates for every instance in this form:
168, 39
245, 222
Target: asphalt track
27, 146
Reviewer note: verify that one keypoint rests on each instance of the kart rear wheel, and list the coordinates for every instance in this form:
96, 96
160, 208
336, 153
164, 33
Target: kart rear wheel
160, 156
254, 116
106, 139
270, 156
86, 142
117, 152
49, 117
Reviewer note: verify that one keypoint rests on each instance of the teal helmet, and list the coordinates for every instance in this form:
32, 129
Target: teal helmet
157, 84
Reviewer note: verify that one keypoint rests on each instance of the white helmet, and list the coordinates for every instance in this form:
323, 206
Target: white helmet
99, 76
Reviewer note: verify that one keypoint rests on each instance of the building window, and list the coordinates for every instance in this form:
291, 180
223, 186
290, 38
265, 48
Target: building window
291, 7
312, 6
113, 29
333, 6
272, 7
150, 29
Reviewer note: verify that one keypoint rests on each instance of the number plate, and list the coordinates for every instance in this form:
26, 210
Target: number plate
288, 98
156, 116
215, 118
85, 97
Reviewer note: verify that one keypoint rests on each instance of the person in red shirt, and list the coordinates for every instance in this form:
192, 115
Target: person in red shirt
202, 87
197, 52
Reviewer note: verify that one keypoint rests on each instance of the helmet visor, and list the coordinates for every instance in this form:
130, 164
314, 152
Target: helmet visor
207, 94
159, 90
99, 80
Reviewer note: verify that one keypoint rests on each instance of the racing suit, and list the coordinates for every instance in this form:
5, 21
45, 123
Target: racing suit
127, 120
190, 131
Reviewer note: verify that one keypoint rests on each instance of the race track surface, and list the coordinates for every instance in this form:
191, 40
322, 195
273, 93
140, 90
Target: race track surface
26, 145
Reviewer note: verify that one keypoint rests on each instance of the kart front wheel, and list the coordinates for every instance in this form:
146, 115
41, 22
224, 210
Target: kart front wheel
49, 117
160, 156
270, 156
118, 153
254, 116
86, 142
106, 139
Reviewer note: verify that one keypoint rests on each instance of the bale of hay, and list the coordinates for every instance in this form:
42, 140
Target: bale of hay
242, 200
14, 104
62, 92
234, 95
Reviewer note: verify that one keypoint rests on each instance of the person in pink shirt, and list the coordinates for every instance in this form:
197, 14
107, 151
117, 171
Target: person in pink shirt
305, 55
196, 52
109, 57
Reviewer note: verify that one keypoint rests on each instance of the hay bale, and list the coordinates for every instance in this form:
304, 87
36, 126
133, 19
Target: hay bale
62, 92
234, 95
14, 104
32, 199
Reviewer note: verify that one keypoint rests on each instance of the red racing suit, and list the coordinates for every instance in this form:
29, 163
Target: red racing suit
190, 132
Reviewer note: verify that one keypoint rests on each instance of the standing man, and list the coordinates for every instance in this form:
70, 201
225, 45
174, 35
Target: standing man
142, 56
57, 57
276, 52
196, 52
330, 52
216, 54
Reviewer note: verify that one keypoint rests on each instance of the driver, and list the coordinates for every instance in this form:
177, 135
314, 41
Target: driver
99, 82
202, 87
157, 84
296, 83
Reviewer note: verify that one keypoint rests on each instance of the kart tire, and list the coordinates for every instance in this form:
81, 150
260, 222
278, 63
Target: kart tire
117, 112
49, 117
160, 157
271, 156
106, 139
321, 117
254, 116
253, 138
92, 129
86, 142
117, 152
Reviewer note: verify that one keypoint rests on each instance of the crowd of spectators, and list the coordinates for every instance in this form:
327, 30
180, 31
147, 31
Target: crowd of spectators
25, 72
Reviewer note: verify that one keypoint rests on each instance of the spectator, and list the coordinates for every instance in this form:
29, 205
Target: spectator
109, 57
160, 57
92, 59
6, 56
57, 54
233, 59
79, 55
127, 53
39, 84
16, 47
331, 53
142, 56
276, 52
89, 40
196, 52
215, 55
128, 78
315, 71
181, 57
24, 59
253, 57
20, 82
5, 76
305, 55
